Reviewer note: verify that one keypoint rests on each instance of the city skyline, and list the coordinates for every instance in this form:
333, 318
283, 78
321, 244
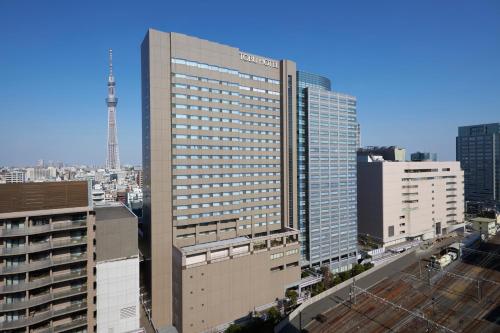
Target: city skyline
415, 86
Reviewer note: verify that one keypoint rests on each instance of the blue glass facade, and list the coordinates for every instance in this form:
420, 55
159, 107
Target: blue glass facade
478, 150
328, 138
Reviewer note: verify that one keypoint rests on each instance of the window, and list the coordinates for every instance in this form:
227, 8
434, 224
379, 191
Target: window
391, 230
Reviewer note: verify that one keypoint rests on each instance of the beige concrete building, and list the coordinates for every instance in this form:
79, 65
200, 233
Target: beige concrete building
400, 201
65, 266
220, 176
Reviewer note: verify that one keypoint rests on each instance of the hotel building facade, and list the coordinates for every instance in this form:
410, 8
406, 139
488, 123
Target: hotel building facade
220, 189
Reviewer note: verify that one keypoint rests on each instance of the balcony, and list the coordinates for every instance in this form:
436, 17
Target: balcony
37, 247
39, 300
54, 226
41, 246
24, 321
41, 264
43, 282
65, 327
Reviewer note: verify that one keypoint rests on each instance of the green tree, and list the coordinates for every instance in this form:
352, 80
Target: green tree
292, 295
273, 316
368, 265
357, 269
337, 280
345, 275
234, 328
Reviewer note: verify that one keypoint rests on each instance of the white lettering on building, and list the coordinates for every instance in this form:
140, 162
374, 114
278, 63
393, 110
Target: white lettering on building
258, 60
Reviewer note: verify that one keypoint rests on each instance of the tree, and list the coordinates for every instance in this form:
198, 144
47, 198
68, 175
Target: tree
345, 275
234, 328
273, 315
368, 265
327, 277
337, 280
292, 295
357, 269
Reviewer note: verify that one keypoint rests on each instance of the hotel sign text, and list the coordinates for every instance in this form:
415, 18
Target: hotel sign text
258, 60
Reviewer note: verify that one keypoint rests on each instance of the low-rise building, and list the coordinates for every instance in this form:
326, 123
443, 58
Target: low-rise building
485, 226
402, 201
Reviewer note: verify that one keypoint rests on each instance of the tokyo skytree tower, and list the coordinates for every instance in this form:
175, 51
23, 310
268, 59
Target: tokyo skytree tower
112, 158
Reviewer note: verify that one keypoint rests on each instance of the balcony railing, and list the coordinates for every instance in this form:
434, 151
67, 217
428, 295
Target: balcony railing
36, 318
43, 282
34, 265
4, 251
65, 327
34, 301
54, 226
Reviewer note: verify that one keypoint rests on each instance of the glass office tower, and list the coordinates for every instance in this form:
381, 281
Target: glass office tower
328, 137
478, 150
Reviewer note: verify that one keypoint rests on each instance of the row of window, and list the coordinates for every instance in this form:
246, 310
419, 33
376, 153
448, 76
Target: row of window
220, 69
227, 166
225, 212
227, 203
281, 254
232, 93
224, 129
205, 186
244, 105
222, 138
225, 157
219, 194
226, 111
226, 120
234, 148
227, 175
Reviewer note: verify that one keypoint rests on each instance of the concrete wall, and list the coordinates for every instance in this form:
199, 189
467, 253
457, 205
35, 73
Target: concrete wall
220, 292
117, 295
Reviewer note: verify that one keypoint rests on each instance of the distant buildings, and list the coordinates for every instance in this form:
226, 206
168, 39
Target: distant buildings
48, 271
401, 201
15, 176
478, 150
328, 137
421, 157
391, 153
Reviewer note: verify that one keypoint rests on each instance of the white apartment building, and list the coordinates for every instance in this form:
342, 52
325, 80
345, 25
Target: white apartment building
401, 201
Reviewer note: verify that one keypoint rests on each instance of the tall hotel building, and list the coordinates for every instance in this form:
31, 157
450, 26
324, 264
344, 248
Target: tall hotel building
328, 138
220, 190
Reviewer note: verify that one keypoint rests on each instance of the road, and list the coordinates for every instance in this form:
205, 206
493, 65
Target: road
308, 314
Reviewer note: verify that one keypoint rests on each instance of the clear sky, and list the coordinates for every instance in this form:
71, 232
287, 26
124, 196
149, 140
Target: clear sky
418, 68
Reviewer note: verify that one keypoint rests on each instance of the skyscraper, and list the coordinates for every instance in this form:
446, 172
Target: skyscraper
478, 150
112, 158
328, 137
220, 170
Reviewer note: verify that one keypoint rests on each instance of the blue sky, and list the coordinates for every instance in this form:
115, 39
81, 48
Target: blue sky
418, 68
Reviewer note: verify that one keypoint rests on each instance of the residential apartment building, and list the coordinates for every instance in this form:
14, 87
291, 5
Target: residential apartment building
62, 261
401, 201
46, 275
220, 190
15, 176
478, 150
328, 138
